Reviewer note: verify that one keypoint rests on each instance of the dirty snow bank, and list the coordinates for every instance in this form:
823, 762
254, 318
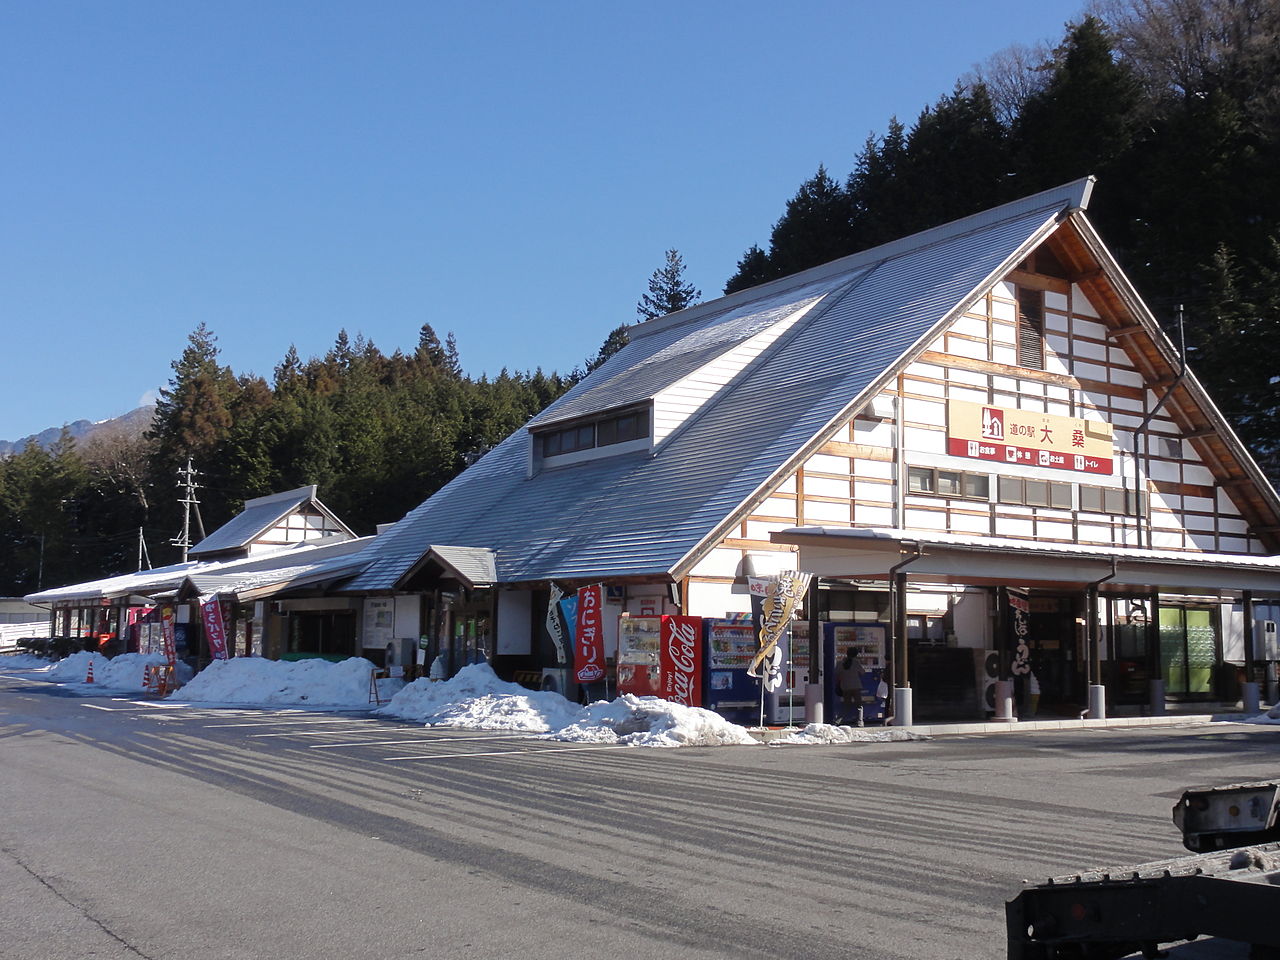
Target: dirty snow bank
307, 683
122, 673
829, 733
22, 661
477, 699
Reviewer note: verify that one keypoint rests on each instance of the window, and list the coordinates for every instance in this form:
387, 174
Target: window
622, 428
1030, 328
949, 483
1035, 493
1112, 500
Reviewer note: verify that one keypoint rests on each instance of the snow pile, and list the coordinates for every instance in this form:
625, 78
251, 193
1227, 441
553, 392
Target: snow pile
829, 733
22, 661
651, 722
478, 700
310, 683
1271, 716
122, 673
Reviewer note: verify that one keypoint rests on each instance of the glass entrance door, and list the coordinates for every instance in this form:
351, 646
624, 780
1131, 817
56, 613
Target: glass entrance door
1188, 650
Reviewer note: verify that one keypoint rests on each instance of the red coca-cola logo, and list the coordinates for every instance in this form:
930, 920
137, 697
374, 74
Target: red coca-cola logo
680, 651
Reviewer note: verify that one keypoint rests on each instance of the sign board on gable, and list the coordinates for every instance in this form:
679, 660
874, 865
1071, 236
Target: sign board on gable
1028, 438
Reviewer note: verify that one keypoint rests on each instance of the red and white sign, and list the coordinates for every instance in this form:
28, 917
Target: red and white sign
167, 635
215, 630
588, 639
1028, 438
680, 660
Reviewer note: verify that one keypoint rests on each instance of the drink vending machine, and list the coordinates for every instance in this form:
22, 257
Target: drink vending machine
661, 657
868, 643
731, 644
639, 641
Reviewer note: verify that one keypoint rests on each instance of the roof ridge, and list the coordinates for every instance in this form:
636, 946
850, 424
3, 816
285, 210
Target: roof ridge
1075, 194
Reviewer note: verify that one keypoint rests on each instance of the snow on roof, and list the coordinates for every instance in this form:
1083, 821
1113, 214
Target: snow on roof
147, 583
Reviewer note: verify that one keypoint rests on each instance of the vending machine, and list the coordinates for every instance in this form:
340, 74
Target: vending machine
731, 645
639, 641
786, 704
868, 641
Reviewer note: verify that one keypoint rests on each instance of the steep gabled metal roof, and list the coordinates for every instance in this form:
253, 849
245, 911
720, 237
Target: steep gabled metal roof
641, 514
258, 516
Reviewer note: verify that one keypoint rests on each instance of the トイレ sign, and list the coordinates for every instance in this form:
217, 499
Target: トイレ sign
1028, 438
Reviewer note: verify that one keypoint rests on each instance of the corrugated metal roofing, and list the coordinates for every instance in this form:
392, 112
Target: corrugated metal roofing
478, 565
637, 514
273, 579
165, 579
653, 361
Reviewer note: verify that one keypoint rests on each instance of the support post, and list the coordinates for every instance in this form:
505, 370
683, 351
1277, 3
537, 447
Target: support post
1250, 694
814, 708
1097, 692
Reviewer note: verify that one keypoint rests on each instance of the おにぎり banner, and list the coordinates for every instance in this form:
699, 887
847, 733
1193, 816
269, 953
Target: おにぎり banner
588, 637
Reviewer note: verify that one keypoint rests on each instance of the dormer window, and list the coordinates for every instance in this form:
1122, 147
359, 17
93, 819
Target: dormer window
606, 431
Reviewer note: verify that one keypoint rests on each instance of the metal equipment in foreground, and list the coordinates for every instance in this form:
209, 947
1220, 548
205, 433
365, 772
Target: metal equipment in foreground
1108, 914
1214, 818
1229, 893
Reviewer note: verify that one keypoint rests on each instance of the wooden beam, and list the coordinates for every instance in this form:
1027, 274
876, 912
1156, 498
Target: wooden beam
1038, 281
1126, 331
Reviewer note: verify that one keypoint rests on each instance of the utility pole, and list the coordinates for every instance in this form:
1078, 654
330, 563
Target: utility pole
187, 483
143, 551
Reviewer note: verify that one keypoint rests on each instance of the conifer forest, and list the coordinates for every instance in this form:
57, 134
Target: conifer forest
1174, 105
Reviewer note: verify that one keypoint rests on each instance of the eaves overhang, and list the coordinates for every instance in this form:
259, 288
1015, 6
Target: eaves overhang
870, 553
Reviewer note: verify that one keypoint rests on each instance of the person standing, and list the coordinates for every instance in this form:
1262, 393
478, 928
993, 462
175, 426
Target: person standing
849, 680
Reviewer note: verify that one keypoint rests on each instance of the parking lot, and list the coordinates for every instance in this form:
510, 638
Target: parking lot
161, 830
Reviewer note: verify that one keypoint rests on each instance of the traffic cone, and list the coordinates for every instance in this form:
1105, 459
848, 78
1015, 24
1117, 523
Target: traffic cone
89, 676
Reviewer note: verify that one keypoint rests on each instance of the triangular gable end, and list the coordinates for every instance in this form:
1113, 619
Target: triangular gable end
1056, 205
270, 523
1200, 489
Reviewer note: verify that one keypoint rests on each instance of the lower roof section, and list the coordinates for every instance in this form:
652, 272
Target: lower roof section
942, 558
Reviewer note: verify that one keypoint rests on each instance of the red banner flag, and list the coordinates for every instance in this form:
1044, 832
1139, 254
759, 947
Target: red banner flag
680, 659
588, 640
214, 629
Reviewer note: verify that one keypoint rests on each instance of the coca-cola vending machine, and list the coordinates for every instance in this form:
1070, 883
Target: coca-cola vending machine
639, 641
680, 660
731, 644
661, 657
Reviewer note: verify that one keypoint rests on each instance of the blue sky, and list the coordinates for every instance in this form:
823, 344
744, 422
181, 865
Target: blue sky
510, 172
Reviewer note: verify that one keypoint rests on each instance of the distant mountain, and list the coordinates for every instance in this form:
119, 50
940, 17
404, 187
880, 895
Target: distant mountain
135, 421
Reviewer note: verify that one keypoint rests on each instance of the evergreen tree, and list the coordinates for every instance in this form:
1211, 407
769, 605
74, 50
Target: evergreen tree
753, 269
618, 338
814, 229
1083, 117
668, 291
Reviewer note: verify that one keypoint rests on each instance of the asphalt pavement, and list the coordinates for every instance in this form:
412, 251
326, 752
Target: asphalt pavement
133, 828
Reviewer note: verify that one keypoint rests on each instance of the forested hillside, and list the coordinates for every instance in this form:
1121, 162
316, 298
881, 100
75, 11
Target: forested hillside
378, 433
1173, 104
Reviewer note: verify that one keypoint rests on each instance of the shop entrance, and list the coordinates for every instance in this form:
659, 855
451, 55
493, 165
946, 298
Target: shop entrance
1189, 651
1057, 664
331, 635
1128, 625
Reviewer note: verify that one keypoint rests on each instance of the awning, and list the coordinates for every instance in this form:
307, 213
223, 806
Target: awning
870, 554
